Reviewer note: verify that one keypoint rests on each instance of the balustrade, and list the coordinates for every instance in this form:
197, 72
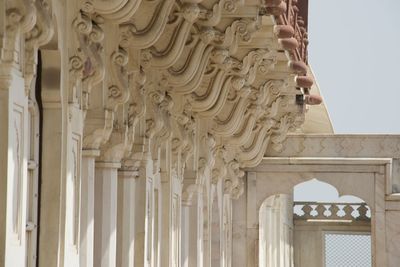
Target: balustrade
331, 211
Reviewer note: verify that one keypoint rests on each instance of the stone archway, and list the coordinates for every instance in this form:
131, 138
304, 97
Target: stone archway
335, 227
363, 178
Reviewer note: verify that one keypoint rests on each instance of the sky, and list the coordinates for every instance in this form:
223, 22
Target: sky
354, 51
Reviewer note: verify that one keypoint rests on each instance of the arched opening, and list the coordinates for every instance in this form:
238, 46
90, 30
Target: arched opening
314, 226
337, 228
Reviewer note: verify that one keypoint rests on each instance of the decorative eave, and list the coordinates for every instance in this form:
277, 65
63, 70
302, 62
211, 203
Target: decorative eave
219, 81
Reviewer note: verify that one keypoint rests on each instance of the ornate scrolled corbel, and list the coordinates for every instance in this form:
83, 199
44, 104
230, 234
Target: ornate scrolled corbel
218, 83
244, 73
249, 65
118, 92
142, 38
158, 121
239, 31
258, 100
255, 158
280, 132
233, 177
188, 192
207, 153
219, 171
20, 17
182, 143
76, 66
212, 70
90, 53
117, 146
258, 141
179, 78
153, 120
98, 130
39, 35
115, 11
188, 149
135, 108
166, 57
245, 129
238, 190
196, 79
210, 103
229, 124
231, 6
137, 102
211, 18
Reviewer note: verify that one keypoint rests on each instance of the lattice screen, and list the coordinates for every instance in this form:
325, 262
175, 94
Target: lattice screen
347, 250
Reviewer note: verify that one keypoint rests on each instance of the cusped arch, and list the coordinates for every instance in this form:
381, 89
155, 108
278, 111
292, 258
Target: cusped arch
316, 190
357, 186
346, 188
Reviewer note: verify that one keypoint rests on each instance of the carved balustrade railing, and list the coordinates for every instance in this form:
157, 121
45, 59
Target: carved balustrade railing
319, 211
291, 17
295, 15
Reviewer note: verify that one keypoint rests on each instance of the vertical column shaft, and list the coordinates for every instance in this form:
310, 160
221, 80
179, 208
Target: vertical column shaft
185, 235
105, 215
126, 218
87, 208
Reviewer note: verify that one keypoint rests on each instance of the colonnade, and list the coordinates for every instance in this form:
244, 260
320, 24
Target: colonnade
126, 125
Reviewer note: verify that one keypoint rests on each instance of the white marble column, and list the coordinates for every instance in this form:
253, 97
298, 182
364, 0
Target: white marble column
143, 209
217, 235
207, 219
185, 234
53, 163
87, 208
126, 218
227, 231
275, 232
105, 214
192, 225
13, 169
171, 212
196, 221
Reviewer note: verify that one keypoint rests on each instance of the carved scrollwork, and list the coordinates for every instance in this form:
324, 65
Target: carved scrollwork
217, 93
89, 55
145, 37
239, 31
118, 92
212, 17
39, 35
116, 11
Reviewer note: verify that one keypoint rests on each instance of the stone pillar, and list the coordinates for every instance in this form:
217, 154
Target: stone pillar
53, 163
143, 209
275, 228
207, 219
87, 208
13, 169
126, 218
227, 231
217, 236
105, 214
171, 212
192, 225
185, 234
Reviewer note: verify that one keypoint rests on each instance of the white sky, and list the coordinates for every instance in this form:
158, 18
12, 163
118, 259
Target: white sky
354, 51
